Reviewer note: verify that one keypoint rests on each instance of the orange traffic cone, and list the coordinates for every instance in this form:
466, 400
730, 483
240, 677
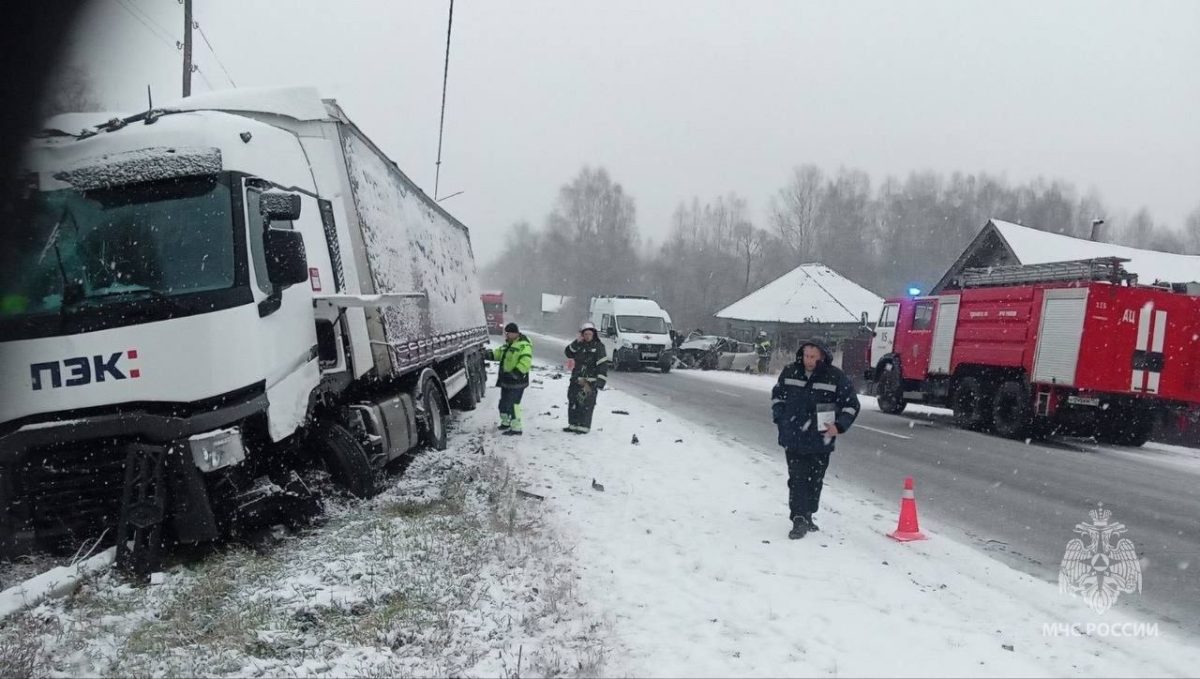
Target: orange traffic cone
907, 529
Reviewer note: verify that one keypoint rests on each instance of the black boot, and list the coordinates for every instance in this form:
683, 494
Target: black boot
812, 525
800, 528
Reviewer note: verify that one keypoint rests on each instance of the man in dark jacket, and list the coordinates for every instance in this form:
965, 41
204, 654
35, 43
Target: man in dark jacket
516, 358
812, 404
589, 375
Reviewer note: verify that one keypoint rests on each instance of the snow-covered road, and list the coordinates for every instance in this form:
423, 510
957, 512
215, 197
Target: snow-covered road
1015, 501
685, 551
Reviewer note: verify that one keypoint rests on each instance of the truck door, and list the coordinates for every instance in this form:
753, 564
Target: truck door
915, 333
885, 333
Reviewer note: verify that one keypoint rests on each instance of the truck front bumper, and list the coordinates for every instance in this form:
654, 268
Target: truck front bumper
63, 479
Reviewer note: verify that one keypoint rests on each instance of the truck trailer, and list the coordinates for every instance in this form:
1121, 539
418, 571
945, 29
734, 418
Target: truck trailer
204, 298
1076, 347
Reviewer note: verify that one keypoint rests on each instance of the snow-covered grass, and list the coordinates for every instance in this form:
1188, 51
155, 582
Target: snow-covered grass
451, 571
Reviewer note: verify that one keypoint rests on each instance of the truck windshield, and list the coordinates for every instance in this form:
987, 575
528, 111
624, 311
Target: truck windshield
85, 249
646, 324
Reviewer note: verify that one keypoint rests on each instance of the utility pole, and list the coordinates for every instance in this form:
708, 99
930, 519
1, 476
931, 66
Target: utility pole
187, 48
437, 177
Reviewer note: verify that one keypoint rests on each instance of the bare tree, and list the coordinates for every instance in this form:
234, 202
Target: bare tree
796, 208
592, 236
1191, 232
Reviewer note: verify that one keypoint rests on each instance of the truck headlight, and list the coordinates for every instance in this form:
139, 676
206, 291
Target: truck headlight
213, 450
626, 344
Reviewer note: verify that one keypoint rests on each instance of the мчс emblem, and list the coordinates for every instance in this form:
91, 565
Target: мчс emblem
1097, 570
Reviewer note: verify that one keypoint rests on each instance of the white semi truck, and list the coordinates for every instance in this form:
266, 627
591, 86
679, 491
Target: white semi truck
205, 298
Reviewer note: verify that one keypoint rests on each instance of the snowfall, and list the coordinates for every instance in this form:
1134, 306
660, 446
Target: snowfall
553, 554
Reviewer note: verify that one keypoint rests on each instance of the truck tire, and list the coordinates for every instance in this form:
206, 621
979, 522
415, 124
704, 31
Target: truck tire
346, 460
1012, 413
469, 397
481, 372
891, 391
664, 367
433, 422
972, 410
1125, 428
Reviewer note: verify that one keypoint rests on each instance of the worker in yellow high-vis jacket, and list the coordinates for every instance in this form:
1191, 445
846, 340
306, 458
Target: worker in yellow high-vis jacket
515, 358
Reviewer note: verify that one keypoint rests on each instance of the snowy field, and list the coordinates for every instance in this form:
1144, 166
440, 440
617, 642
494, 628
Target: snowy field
561, 555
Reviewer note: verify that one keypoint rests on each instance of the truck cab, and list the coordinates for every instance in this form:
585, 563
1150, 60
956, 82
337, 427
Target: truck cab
636, 331
201, 298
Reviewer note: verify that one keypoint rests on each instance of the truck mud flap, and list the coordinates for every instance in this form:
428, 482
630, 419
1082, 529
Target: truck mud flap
143, 509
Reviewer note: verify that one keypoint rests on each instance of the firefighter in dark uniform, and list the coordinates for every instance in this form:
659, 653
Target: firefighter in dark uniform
763, 348
589, 375
812, 404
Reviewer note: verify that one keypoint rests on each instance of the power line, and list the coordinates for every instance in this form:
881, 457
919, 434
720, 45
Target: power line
146, 15
147, 26
196, 68
214, 53
437, 176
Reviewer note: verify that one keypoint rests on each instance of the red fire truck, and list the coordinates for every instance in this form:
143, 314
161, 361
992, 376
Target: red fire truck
1073, 347
493, 310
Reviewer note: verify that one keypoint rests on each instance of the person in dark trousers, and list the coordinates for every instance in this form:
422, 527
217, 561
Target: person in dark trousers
812, 404
515, 358
588, 377
763, 348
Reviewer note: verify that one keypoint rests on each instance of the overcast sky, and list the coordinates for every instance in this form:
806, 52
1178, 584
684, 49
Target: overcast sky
685, 98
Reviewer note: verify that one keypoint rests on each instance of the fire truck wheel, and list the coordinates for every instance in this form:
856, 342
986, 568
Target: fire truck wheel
971, 407
1011, 411
891, 395
1125, 428
346, 460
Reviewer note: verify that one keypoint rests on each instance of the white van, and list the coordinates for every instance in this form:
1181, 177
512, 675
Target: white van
636, 331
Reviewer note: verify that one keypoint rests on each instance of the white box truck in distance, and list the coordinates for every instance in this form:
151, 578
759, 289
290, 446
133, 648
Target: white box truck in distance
635, 330
205, 296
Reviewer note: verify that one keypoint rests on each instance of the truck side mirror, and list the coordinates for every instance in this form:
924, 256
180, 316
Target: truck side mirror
864, 318
287, 263
611, 332
279, 206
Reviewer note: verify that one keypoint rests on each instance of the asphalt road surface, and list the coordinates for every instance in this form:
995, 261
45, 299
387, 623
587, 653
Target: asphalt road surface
1016, 501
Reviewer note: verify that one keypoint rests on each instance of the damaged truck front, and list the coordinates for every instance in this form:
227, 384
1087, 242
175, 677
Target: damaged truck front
204, 299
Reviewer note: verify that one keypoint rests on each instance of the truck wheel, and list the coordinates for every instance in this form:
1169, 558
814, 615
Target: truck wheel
1125, 428
433, 424
971, 407
346, 460
468, 398
482, 382
891, 394
665, 367
1012, 412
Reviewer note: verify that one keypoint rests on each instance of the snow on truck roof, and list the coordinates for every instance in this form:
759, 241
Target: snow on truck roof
810, 293
300, 103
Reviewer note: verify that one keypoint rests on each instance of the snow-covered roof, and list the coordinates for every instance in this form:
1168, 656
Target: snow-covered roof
1001, 242
300, 103
1032, 246
552, 304
810, 293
